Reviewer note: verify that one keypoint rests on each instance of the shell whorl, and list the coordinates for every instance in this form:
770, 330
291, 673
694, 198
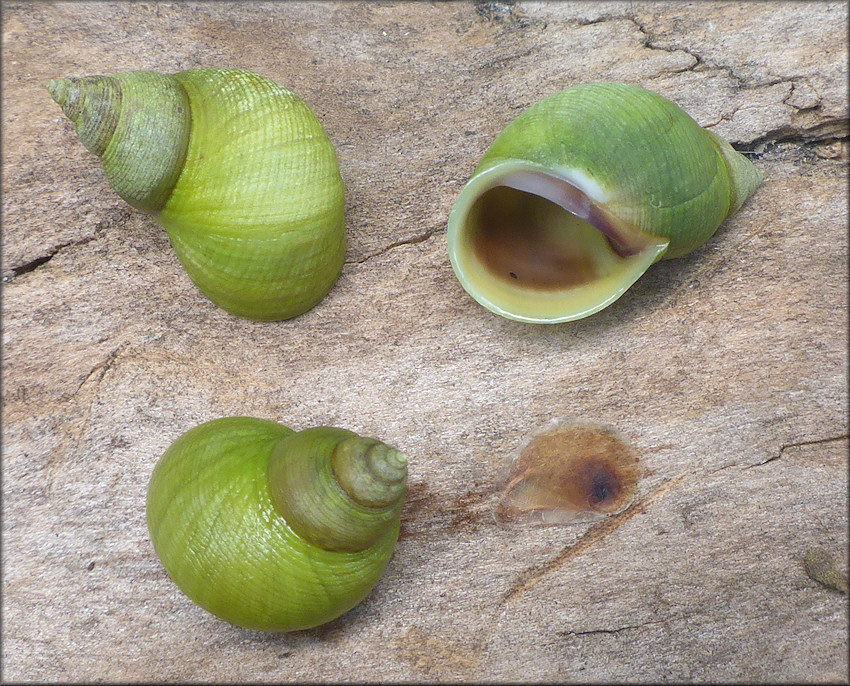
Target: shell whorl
744, 177
224, 541
582, 193
335, 489
235, 167
112, 115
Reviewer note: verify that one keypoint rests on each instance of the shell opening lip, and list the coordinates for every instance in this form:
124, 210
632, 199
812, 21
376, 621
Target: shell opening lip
538, 245
570, 197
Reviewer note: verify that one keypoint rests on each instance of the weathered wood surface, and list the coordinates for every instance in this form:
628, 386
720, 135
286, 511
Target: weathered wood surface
727, 369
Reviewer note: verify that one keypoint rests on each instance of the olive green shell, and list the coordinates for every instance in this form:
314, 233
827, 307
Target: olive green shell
215, 521
236, 168
620, 170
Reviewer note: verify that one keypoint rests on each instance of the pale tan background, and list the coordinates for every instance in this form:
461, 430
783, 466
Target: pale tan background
726, 370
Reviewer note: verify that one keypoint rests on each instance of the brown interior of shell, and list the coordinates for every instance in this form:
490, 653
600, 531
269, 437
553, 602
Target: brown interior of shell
533, 246
515, 237
545, 233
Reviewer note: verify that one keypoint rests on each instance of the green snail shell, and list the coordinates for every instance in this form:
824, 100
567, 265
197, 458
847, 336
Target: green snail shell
271, 529
236, 168
581, 193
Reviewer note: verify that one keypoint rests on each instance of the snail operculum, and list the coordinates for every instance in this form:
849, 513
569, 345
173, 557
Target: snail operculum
569, 471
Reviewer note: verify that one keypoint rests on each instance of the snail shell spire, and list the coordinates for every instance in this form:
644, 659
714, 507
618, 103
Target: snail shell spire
744, 177
138, 123
340, 491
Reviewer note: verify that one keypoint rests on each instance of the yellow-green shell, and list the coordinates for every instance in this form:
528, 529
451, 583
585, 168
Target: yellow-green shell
215, 527
641, 180
236, 168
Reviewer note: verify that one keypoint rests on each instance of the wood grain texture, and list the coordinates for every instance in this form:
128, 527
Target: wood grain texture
726, 370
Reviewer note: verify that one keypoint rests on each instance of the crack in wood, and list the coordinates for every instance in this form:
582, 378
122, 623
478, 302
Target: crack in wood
618, 630
37, 262
531, 576
103, 366
33, 264
421, 238
794, 84
78, 424
798, 444
826, 129
825, 132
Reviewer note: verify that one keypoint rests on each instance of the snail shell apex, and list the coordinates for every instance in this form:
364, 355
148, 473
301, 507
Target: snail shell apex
581, 193
138, 123
215, 524
236, 168
345, 503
